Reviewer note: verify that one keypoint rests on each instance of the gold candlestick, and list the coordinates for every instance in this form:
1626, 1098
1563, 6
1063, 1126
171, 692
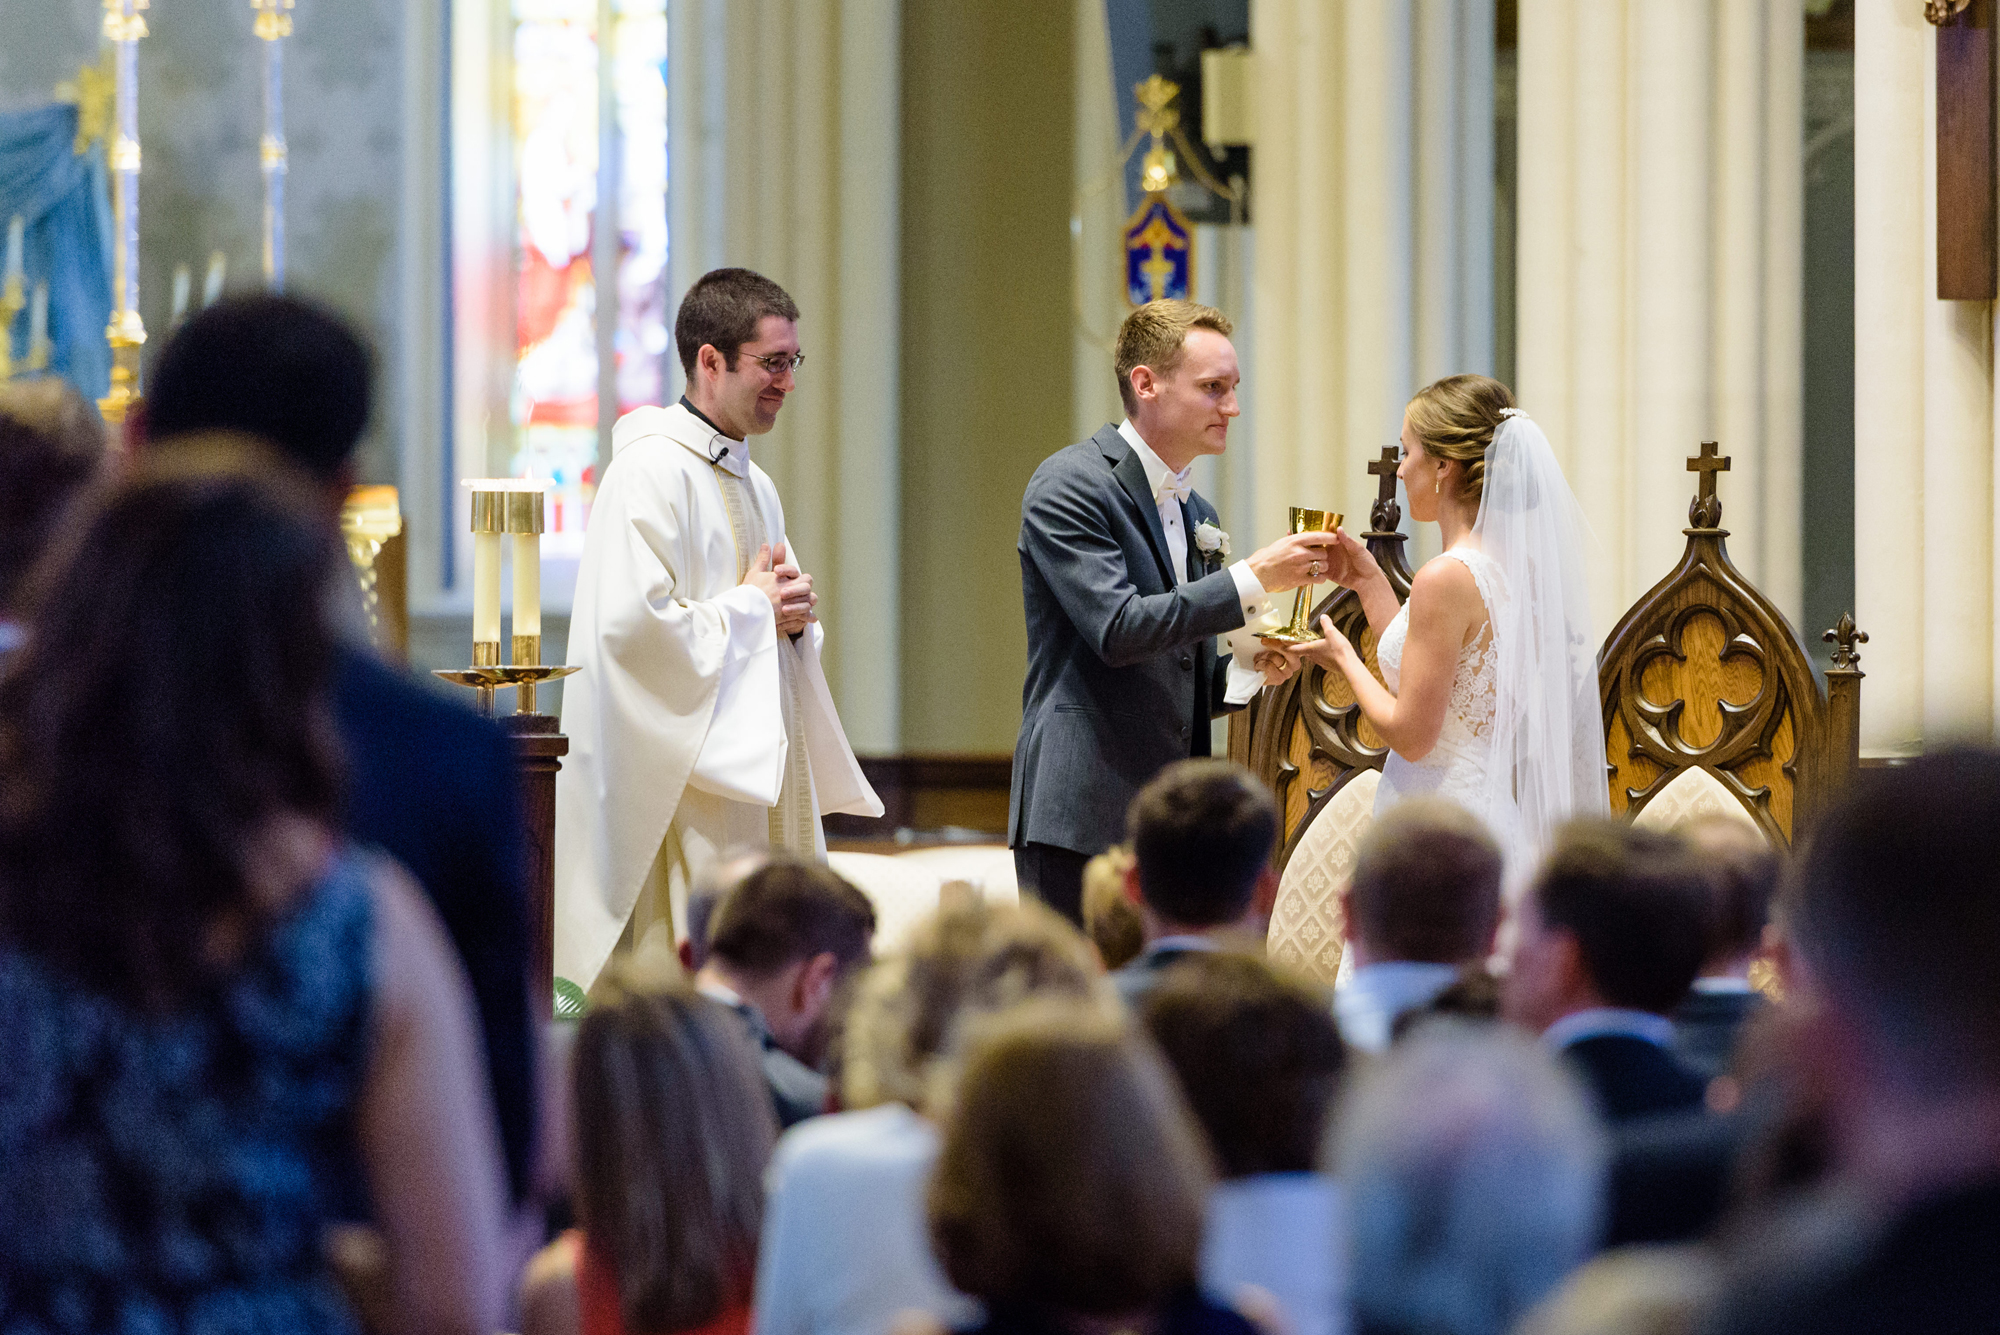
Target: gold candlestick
1300, 630
507, 508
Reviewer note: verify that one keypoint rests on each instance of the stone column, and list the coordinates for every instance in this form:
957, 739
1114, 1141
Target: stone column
1923, 415
1658, 271
785, 121
1372, 203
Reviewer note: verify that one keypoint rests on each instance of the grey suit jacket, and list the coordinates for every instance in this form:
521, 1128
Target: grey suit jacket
1122, 671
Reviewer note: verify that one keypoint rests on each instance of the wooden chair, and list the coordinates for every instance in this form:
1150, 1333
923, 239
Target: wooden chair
1710, 701
1310, 742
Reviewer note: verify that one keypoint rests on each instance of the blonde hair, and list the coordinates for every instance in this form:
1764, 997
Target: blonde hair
1154, 335
1455, 418
674, 1128
1111, 920
961, 963
1071, 1175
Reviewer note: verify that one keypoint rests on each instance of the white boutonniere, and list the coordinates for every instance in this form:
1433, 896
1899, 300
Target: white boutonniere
1211, 541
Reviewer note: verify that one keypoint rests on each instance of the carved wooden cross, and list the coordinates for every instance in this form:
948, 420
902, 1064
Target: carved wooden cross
1708, 463
1385, 470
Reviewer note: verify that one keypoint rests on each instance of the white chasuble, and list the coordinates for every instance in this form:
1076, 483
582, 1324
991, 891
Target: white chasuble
694, 726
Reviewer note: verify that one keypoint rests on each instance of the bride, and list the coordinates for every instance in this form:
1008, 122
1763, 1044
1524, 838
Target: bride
1491, 666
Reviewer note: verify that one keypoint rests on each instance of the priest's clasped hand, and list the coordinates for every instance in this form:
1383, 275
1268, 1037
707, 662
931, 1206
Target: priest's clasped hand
788, 588
1295, 559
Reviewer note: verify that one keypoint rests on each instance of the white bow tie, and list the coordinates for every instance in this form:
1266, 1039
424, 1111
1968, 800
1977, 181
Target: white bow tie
1175, 485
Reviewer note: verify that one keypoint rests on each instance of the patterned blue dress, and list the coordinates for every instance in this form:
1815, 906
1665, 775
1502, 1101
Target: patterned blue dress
169, 1173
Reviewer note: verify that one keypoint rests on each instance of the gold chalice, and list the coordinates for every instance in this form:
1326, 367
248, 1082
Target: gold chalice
1301, 630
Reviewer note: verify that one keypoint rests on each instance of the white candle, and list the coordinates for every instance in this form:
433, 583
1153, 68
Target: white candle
218, 269
14, 234
527, 583
486, 588
181, 280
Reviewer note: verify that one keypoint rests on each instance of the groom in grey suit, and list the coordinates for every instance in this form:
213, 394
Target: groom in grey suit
1124, 579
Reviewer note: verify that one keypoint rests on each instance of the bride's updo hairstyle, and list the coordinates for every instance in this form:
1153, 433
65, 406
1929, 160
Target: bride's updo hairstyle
1455, 419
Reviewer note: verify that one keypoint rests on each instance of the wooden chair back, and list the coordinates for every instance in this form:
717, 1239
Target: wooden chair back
1710, 697
1308, 738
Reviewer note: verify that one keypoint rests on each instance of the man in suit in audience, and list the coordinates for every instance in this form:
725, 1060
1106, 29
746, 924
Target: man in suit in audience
1201, 834
1743, 875
1260, 1061
711, 882
779, 947
1422, 906
430, 782
1126, 582
1892, 1016
1612, 934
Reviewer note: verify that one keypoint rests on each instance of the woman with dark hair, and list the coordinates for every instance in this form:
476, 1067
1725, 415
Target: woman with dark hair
1070, 1189
206, 991
674, 1127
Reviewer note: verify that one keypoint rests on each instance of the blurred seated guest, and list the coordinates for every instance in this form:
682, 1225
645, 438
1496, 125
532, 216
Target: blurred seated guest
1631, 1291
1110, 918
673, 1132
1070, 1190
1892, 1013
711, 882
846, 1246
432, 784
1475, 996
52, 450
1612, 933
1743, 875
1422, 906
779, 947
1473, 1174
214, 1002
1259, 1059
1202, 833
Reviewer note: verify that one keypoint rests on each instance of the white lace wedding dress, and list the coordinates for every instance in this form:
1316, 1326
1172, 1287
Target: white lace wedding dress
1460, 766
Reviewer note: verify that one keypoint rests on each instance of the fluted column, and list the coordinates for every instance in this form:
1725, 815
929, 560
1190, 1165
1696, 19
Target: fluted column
1658, 271
1923, 415
785, 121
1372, 204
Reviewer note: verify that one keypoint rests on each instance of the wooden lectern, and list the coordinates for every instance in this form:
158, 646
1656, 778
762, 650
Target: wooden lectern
538, 751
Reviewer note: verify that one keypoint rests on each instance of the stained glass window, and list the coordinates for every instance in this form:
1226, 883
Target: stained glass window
566, 312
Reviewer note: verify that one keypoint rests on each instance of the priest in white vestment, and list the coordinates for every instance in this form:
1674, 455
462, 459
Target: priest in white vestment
700, 719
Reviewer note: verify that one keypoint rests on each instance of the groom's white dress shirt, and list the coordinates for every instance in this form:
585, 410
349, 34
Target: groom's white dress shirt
1170, 489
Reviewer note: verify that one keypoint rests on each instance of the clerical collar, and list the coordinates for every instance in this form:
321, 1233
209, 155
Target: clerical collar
706, 419
724, 451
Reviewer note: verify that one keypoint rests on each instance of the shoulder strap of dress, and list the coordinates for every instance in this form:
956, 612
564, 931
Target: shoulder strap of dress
1485, 573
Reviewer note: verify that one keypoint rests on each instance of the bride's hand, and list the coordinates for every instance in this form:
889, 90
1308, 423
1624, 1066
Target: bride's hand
1330, 651
1349, 563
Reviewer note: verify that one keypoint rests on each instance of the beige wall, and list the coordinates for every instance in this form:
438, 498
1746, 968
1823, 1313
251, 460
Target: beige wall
986, 352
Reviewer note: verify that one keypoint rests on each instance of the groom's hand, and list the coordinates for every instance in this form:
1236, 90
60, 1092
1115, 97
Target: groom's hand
1295, 559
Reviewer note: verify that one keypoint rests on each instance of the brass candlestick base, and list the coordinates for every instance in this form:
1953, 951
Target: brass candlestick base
486, 680
1300, 629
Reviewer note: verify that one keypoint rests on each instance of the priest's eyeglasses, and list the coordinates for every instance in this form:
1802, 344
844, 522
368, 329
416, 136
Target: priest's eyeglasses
778, 363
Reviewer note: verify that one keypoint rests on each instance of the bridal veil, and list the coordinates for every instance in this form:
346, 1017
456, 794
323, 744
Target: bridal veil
1548, 729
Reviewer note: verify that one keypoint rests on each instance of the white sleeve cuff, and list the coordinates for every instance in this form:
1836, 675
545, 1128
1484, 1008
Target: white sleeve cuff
1243, 682
1249, 592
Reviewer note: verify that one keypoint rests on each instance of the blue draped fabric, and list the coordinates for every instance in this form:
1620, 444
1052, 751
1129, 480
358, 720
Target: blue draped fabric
64, 198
